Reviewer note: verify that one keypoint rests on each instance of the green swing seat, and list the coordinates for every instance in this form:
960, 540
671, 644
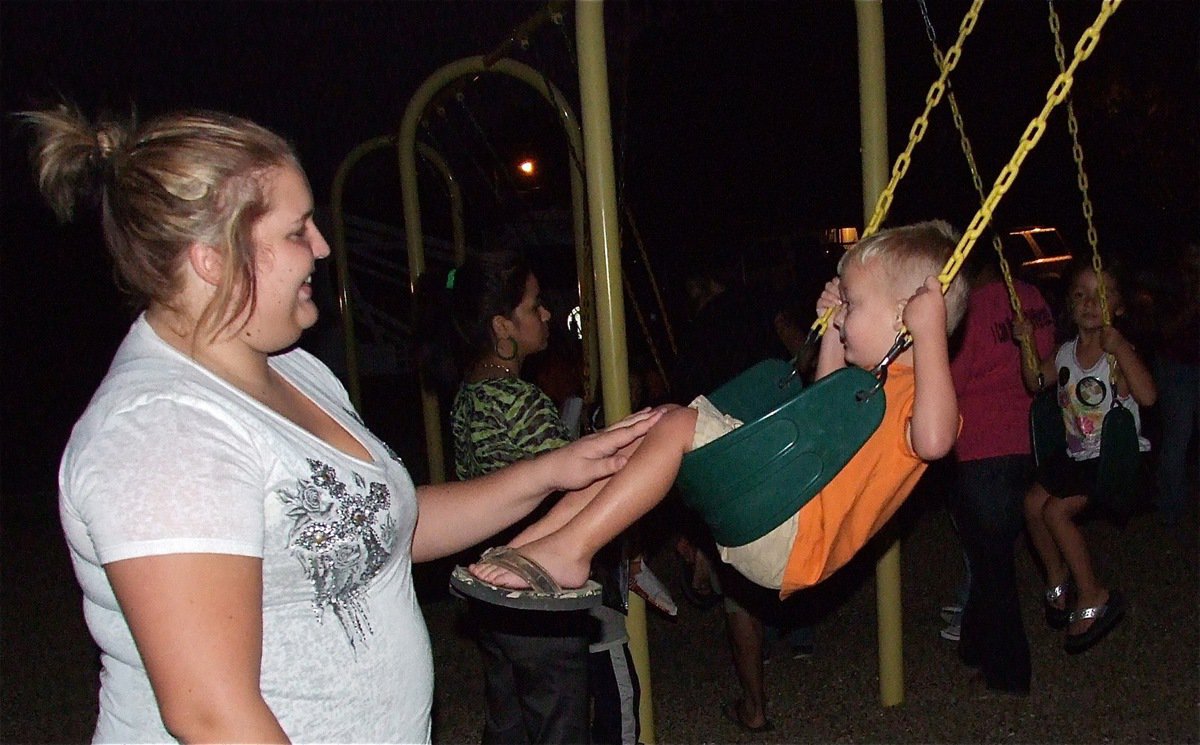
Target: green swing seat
1120, 459
748, 482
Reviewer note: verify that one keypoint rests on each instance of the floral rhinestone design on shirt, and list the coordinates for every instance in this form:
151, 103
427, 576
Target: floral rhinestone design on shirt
340, 541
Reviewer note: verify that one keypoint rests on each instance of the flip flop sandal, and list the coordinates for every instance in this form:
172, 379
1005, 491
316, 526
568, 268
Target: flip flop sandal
543, 593
1058, 618
1104, 618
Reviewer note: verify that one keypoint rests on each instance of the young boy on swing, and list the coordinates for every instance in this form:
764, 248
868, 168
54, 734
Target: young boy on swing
884, 281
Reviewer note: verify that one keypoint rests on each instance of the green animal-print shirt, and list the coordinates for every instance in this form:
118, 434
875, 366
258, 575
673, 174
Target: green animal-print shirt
500, 421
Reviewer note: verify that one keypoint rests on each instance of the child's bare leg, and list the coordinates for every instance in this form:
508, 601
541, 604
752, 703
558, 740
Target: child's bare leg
1036, 501
570, 503
1060, 518
566, 553
560, 514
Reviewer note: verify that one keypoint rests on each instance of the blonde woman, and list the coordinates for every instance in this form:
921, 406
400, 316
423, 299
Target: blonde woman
244, 544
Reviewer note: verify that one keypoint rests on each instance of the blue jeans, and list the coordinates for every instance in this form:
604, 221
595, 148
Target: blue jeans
1179, 407
987, 505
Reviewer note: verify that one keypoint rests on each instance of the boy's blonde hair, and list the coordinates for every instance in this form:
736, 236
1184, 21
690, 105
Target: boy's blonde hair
908, 255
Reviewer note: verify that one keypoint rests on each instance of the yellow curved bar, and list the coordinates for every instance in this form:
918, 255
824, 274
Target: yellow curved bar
341, 261
406, 148
458, 232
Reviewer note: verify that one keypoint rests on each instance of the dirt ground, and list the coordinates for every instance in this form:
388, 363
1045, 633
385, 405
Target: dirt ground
1140, 685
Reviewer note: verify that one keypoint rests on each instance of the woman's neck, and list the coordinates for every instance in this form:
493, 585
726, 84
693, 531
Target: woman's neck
223, 354
494, 367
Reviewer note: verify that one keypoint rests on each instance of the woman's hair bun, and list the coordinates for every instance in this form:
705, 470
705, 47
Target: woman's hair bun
110, 137
72, 156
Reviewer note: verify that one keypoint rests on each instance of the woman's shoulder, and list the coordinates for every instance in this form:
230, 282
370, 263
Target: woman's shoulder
502, 398
146, 369
498, 389
152, 385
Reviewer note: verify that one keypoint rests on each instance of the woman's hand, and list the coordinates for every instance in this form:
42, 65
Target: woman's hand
598, 455
1022, 329
458, 514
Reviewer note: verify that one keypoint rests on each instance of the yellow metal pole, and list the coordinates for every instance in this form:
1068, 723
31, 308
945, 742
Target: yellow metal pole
606, 262
873, 112
406, 151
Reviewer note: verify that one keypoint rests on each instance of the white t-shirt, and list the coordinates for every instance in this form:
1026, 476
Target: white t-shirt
1085, 396
169, 459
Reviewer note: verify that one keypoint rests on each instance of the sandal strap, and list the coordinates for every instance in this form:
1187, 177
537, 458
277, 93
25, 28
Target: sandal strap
1095, 611
531, 572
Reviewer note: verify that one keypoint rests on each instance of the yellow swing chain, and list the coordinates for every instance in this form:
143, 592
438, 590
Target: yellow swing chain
916, 133
1082, 179
1028, 352
1058, 92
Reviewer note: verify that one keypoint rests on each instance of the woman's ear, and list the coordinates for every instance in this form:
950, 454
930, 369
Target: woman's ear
502, 327
207, 262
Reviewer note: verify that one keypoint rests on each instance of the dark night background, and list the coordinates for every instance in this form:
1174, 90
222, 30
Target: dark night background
736, 123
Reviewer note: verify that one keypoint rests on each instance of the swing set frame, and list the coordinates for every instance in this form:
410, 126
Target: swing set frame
605, 249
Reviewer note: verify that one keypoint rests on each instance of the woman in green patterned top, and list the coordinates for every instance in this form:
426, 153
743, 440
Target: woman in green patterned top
497, 417
535, 663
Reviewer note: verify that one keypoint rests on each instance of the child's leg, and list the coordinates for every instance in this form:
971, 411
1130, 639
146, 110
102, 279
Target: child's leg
1060, 518
1036, 500
570, 503
566, 553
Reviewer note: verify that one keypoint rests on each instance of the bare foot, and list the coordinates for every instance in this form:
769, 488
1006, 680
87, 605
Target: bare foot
568, 569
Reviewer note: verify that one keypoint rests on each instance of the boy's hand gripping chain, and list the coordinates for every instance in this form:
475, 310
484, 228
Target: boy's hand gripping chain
1029, 139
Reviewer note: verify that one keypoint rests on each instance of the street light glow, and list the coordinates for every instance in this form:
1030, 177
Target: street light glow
527, 167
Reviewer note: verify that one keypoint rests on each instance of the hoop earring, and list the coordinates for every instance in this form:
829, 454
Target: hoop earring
512, 352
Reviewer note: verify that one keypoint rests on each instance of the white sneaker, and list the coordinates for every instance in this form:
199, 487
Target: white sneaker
649, 586
951, 633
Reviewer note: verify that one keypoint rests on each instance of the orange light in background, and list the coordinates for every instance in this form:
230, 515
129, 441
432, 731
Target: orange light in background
527, 167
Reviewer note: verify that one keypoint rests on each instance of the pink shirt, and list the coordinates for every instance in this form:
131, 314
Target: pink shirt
992, 400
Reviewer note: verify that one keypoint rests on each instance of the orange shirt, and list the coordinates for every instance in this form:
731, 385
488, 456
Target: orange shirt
864, 495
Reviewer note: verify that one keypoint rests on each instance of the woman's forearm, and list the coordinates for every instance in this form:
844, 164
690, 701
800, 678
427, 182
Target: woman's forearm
459, 514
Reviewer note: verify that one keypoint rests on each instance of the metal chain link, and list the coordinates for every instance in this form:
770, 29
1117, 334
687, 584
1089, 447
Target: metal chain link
1077, 152
1028, 352
917, 132
1082, 179
1029, 139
